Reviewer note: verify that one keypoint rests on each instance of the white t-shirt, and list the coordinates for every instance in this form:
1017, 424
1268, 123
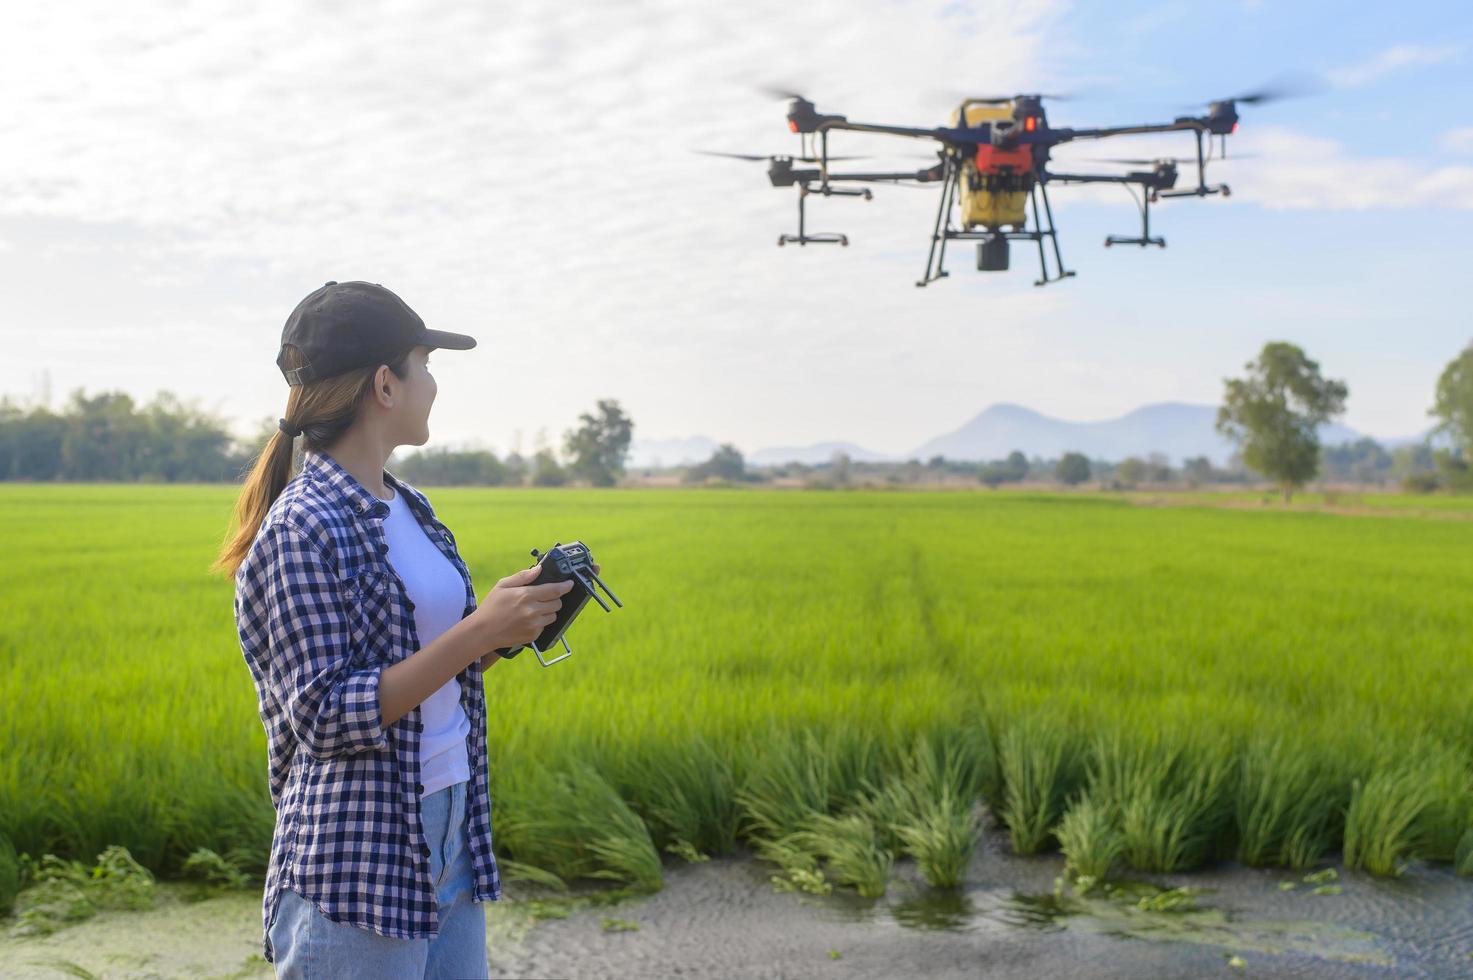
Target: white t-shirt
438, 593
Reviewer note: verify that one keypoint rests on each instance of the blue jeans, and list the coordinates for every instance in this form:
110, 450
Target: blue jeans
306, 945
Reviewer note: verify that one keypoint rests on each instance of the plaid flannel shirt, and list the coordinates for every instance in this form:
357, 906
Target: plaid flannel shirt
320, 613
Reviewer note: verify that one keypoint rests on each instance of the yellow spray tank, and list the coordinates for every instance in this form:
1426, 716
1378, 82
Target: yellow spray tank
994, 184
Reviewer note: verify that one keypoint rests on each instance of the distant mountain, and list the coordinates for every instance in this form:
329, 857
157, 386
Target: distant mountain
1177, 429
821, 452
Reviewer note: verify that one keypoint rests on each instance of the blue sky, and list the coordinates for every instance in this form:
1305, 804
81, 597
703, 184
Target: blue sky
177, 176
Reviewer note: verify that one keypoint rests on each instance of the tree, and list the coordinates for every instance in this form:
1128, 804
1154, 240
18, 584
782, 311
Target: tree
1453, 406
840, 466
596, 449
1072, 469
1130, 471
726, 463
545, 470
1361, 461
1197, 470
1275, 412
1010, 470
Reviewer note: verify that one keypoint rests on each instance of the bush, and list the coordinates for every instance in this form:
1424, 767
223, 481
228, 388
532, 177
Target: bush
1420, 483
68, 891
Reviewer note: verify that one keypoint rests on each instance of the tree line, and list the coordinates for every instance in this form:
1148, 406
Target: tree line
1272, 413
109, 437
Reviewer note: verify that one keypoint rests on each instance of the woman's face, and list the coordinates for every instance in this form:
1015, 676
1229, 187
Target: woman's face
413, 397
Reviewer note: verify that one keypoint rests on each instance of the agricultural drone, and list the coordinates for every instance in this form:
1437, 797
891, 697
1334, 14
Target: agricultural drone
992, 167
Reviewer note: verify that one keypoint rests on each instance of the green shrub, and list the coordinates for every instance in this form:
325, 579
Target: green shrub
68, 891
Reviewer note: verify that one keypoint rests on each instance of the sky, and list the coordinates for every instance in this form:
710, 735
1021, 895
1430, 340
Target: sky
174, 177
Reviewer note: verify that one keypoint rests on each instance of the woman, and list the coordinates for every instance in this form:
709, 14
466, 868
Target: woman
361, 630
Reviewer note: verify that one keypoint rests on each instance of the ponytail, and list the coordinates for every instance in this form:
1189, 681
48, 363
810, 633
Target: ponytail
323, 411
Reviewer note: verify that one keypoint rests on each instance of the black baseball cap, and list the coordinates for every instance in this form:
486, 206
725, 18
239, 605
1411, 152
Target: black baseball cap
346, 325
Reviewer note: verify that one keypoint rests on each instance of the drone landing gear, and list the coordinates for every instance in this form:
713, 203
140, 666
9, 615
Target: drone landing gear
992, 246
803, 238
1144, 238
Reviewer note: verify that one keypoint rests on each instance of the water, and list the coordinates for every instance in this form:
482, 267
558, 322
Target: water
723, 918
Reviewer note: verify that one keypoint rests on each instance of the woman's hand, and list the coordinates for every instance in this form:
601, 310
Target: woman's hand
515, 612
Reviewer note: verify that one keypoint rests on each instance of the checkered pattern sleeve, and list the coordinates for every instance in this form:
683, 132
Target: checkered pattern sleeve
331, 704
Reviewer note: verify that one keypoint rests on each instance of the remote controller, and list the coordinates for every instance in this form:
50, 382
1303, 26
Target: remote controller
561, 563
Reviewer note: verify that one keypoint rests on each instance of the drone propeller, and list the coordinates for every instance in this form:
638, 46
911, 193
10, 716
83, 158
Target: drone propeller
1143, 162
1139, 161
770, 156
995, 99
1285, 87
781, 92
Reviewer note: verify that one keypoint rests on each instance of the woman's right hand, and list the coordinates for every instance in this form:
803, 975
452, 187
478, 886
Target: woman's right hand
515, 612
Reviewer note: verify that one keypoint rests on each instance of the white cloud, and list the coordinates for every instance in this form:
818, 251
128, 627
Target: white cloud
520, 171
1385, 62
1295, 171
1458, 140
1282, 169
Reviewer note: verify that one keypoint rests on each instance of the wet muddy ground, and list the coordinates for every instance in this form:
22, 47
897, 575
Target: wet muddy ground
724, 918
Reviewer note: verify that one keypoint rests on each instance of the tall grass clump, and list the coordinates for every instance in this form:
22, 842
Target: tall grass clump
1037, 764
850, 850
1171, 795
573, 824
930, 808
1290, 804
1415, 806
687, 796
1090, 837
9, 876
1463, 855
786, 786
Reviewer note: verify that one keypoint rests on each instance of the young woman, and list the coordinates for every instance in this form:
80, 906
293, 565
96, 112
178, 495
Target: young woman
361, 630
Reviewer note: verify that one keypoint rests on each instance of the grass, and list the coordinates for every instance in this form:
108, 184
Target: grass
829, 678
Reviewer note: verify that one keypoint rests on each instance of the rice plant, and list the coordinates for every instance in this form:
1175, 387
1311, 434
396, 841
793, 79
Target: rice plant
1393, 816
1289, 804
1089, 835
792, 679
930, 808
573, 824
848, 847
1037, 771
1171, 801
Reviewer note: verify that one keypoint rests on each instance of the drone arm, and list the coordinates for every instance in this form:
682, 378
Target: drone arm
924, 176
925, 134
1094, 179
1181, 125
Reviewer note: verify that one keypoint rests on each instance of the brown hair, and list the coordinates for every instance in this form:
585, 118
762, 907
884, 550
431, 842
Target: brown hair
324, 410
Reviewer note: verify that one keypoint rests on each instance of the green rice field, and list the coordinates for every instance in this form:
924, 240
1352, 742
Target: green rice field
835, 680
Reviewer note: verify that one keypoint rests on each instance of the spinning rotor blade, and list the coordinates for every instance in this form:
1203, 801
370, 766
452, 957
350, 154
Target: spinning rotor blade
1142, 162
781, 92
1285, 87
772, 156
994, 99
734, 156
1134, 160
